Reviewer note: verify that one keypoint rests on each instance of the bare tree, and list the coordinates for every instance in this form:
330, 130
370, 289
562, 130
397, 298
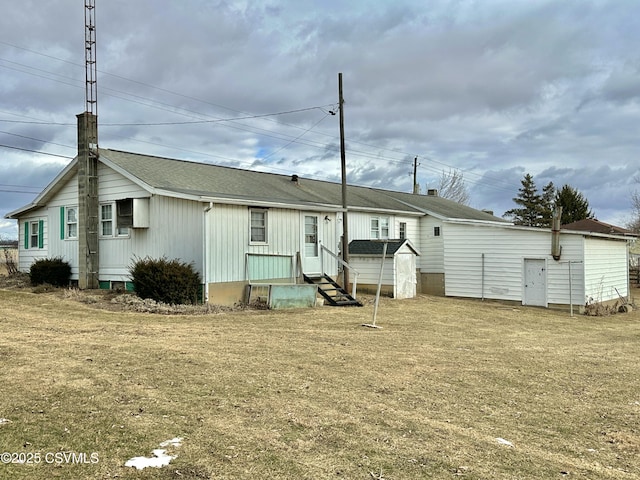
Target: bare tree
452, 187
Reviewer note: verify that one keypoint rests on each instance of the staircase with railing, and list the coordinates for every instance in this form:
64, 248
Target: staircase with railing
333, 293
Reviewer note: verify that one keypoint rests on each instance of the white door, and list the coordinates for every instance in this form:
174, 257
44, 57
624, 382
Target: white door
405, 276
535, 282
310, 244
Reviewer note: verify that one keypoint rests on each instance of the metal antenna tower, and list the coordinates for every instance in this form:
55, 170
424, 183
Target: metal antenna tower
88, 215
91, 72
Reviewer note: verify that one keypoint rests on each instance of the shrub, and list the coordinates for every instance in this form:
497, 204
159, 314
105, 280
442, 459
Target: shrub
53, 271
167, 281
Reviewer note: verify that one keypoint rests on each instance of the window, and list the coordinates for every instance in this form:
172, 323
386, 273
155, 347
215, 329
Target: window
311, 236
403, 230
436, 231
258, 226
72, 222
124, 210
116, 218
34, 237
379, 227
34, 234
106, 220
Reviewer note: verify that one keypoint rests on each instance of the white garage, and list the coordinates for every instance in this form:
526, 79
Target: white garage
507, 262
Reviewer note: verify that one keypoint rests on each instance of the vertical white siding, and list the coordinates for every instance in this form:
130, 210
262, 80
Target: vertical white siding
606, 269
504, 252
369, 269
360, 226
229, 239
430, 246
29, 255
175, 231
113, 186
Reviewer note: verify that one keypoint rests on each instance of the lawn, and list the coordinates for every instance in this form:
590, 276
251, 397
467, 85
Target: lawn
447, 388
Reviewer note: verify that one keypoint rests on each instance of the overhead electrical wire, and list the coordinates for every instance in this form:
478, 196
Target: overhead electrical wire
173, 109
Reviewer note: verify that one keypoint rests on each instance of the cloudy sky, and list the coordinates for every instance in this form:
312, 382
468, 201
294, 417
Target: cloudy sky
493, 89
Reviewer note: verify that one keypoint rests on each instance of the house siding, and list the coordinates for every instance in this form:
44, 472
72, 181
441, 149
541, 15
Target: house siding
605, 270
26, 256
505, 251
432, 247
65, 248
175, 231
229, 240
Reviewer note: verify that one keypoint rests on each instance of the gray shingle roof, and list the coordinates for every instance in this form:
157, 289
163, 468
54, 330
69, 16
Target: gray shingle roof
204, 179
375, 247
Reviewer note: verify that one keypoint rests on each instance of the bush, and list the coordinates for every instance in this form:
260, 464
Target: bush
53, 271
167, 281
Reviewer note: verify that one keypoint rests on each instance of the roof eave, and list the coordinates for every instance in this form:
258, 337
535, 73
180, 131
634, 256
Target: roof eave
43, 197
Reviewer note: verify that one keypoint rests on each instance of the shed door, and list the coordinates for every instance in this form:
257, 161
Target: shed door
405, 276
535, 282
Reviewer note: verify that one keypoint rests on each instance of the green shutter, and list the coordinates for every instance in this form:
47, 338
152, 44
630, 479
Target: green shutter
26, 235
40, 233
62, 223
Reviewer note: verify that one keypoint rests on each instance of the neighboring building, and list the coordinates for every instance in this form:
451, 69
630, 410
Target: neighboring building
595, 226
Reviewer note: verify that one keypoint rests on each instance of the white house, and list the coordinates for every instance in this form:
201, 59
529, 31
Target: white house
238, 227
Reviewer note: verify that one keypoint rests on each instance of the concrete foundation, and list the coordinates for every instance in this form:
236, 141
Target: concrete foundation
432, 283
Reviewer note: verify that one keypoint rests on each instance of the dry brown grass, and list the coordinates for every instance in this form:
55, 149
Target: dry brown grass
312, 394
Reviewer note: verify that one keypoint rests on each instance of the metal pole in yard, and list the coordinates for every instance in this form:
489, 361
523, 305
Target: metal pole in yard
375, 308
570, 291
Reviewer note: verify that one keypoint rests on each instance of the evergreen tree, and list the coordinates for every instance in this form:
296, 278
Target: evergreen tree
574, 206
530, 212
548, 204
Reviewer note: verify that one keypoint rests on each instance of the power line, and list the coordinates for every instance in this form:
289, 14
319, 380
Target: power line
255, 130
36, 151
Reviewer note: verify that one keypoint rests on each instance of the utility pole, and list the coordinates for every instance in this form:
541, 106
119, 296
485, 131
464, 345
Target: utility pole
416, 188
343, 163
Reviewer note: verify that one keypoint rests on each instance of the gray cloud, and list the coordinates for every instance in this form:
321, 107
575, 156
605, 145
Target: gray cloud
495, 88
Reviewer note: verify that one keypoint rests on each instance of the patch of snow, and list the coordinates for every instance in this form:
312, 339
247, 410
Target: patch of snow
159, 458
174, 442
502, 441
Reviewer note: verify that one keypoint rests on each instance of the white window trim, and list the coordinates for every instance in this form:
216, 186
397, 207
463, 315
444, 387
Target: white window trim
265, 227
67, 223
114, 222
34, 233
377, 233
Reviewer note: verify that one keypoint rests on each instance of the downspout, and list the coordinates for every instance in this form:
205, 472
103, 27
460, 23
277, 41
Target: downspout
205, 251
556, 249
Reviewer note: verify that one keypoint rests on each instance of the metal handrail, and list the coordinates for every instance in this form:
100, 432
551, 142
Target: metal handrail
344, 264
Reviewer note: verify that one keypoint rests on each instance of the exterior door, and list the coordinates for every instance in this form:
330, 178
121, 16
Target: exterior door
311, 244
405, 276
535, 282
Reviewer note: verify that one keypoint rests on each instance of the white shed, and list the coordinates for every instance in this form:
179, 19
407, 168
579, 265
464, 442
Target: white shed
399, 271
508, 262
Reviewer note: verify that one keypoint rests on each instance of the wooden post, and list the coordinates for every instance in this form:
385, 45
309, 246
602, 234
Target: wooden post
343, 164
